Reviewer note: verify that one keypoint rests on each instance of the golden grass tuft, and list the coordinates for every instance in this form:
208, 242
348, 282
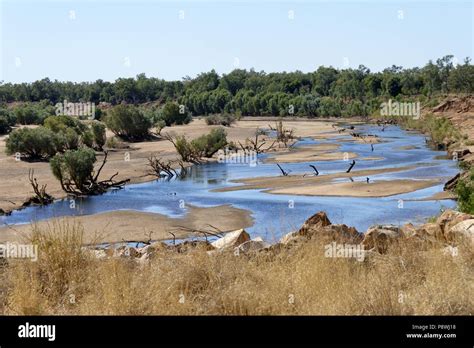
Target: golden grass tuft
68, 280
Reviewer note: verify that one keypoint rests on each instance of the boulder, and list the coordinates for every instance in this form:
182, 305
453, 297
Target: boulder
231, 239
450, 218
342, 234
126, 251
292, 237
463, 230
430, 231
380, 237
409, 230
314, 224
192, 245
253, 245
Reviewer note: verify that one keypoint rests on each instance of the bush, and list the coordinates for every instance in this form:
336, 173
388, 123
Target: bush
7, 120
63, 122
172, 116
225, 120
74, 166
207, 145
98, 135
33, 113
37, 143
128, 122
204, 146
465, 193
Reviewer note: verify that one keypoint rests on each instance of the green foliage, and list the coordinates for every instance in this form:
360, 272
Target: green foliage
34, 143
128, 122
98, 134
33, 113
256, 93
172, 114
61, 123
207, 145
7, 120
204, 146
75, 166
465, 193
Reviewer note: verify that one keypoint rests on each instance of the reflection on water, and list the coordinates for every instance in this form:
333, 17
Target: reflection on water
278, 214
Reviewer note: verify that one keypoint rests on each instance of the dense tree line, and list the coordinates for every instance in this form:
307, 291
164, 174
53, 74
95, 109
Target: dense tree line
324, 92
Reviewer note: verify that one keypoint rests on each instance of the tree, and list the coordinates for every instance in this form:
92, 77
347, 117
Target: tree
7, 120
75, 172
173, 114
98, 133
35, 143
128, 122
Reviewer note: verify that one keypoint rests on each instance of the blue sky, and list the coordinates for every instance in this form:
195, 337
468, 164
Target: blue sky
88, 40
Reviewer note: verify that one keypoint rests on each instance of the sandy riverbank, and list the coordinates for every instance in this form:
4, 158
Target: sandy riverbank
126, 225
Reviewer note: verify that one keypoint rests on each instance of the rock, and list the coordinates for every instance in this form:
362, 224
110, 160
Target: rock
192, 245
380, 237
452, 183
430, 231
314, 223
409, 230
450, 218
342, 234
462, 230
231, 239
126, 251
253, 245
290, 237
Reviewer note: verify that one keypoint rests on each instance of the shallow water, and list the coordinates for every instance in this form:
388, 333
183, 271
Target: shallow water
275, 215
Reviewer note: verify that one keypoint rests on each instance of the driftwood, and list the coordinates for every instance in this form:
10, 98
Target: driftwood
314, 168
351, 166
41, 197
162, 169
256, 144
285, 173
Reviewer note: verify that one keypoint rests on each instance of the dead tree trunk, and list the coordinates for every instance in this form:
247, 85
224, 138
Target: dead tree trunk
351, 166
40, 197
282, 171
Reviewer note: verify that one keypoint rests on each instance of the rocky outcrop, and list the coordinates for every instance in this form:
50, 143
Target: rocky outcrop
449, 230
314, 224
231, 240
381, 237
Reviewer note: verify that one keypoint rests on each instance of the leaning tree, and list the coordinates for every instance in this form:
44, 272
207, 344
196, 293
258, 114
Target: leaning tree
75, 171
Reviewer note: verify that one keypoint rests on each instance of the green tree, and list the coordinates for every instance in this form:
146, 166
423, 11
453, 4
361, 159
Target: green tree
128, 122
35, 143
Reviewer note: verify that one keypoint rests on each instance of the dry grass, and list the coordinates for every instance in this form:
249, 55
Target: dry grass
67, 280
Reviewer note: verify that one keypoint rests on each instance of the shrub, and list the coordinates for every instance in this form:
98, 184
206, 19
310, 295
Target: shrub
7, 120
465, 193
225, 120
98, 135
36, 143
128, 122
74, 166
172, 116
207, 145
33, 113
63, 122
